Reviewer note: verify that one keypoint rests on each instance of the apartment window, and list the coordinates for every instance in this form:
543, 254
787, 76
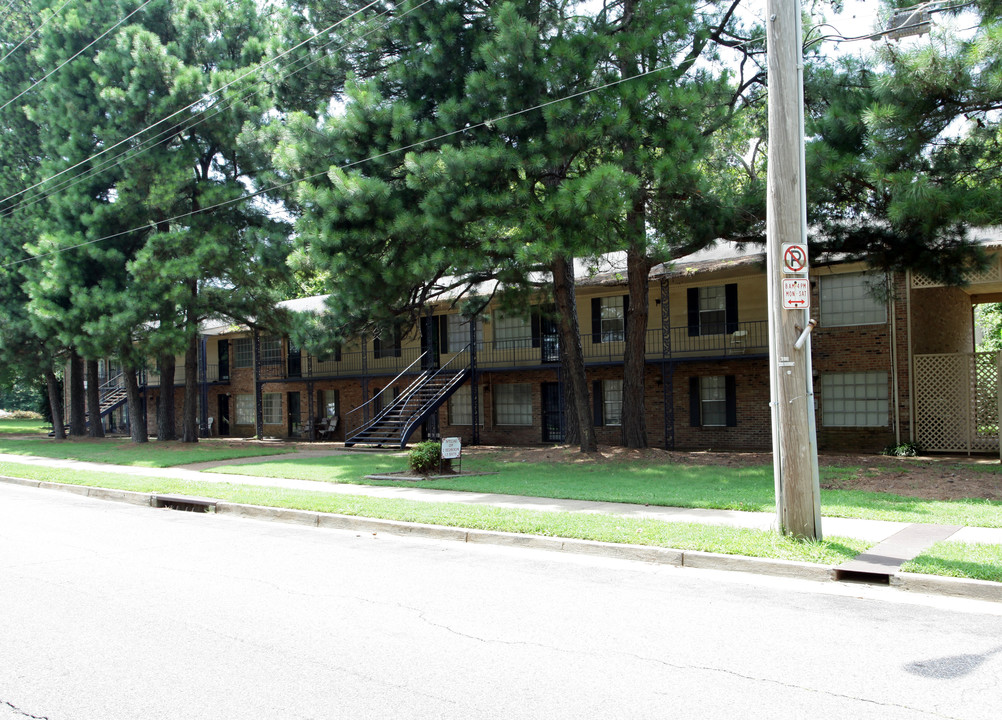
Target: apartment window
271, 406
456, 332
854, 399
271, 351
713, 401
386, 344
243, 353
460, 406
608, 319
327, 403
511, 333
853, 299
713, 309
607, 397
245, 410
513, 404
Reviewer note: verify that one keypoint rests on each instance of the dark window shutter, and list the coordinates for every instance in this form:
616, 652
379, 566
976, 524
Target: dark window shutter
377, 348
692, 302
597, 404
321, 408
443, 333
731, 307
337, 353
596, 320
730, 401
694, 419
537, 329
626, 306
337, 403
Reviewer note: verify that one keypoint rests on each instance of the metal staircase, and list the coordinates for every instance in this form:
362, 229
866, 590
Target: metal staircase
395, 423
112, 396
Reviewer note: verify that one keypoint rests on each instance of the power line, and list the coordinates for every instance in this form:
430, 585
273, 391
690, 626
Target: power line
32, 33
273, 188
134, 152
188, 107
73, 57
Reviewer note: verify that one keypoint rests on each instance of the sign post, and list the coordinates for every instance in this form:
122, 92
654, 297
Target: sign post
452, 449
791, 385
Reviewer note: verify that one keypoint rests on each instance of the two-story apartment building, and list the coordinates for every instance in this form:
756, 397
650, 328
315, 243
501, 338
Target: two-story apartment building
893, 361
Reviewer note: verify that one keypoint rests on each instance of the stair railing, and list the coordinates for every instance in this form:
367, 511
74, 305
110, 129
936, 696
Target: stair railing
365, 426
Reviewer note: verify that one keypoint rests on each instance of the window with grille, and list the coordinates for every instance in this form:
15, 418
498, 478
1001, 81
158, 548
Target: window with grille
511, 332
271, 406
513, 404
854, 399
243, 353
461, 407
853, 299
271, 351
712, 310
458, 332
245, 410
613, 319
608, 402
713, 401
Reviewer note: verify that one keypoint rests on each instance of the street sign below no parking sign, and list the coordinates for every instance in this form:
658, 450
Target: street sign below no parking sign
796, 293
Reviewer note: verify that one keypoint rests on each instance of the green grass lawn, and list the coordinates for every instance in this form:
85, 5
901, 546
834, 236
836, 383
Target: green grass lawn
121, 451
696, 486
681, 536
963, 560
9, 426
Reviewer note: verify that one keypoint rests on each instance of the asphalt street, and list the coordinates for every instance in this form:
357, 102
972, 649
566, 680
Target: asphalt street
112, 611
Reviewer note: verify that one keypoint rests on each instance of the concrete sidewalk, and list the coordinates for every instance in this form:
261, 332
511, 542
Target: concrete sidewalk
869, 530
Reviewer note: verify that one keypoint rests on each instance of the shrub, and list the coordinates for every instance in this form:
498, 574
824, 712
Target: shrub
906, 449
426, 458
23, 415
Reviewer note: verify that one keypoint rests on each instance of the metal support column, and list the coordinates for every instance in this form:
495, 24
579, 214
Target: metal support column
310, 424
258, 399
203, 378
667, 373
365, 379
474, 382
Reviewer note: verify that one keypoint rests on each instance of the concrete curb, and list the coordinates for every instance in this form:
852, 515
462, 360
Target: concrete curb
930, 584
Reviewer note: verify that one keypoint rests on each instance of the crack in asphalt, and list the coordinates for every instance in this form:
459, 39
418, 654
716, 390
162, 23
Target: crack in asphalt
676, 666
22, 713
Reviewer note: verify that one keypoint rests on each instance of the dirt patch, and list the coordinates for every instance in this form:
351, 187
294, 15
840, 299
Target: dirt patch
939, 477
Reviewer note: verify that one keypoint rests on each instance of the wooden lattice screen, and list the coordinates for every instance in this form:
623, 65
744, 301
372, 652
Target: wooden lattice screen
956, 402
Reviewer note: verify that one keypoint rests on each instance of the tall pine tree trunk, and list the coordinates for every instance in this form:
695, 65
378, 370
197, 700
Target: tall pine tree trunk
94, 425
638, 268
166, 425
55, 404
570, 338
137, 411
572, 426
78, 419
189, 425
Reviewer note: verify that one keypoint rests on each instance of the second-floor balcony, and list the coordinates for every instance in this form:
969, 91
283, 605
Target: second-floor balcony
681, 343
152, 377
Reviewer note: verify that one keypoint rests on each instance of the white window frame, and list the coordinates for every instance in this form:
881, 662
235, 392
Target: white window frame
612, 319
460, 406
244, 412
612, 402
512, 332
513, 404
855, 399
271, 408
329, 405
712, 309
457, 332
713, 401
271, 351
847, 299
243, 353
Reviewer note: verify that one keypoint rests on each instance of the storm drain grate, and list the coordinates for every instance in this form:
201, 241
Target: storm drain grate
184, 503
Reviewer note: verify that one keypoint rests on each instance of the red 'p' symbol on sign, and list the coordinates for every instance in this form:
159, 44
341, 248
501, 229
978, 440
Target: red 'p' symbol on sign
794, 258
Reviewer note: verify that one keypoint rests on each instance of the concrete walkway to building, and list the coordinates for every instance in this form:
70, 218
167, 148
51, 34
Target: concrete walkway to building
869, 530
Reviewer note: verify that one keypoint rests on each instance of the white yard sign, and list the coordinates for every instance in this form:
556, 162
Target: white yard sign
451, 448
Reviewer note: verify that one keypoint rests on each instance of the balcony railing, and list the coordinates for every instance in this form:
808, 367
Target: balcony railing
153, 377
685, 343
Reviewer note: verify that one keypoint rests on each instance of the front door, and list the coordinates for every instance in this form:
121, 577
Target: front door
224, 414
294, 414
553, 414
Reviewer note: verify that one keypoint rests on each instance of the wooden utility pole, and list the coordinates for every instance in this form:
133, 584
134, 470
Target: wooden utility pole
791, 384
